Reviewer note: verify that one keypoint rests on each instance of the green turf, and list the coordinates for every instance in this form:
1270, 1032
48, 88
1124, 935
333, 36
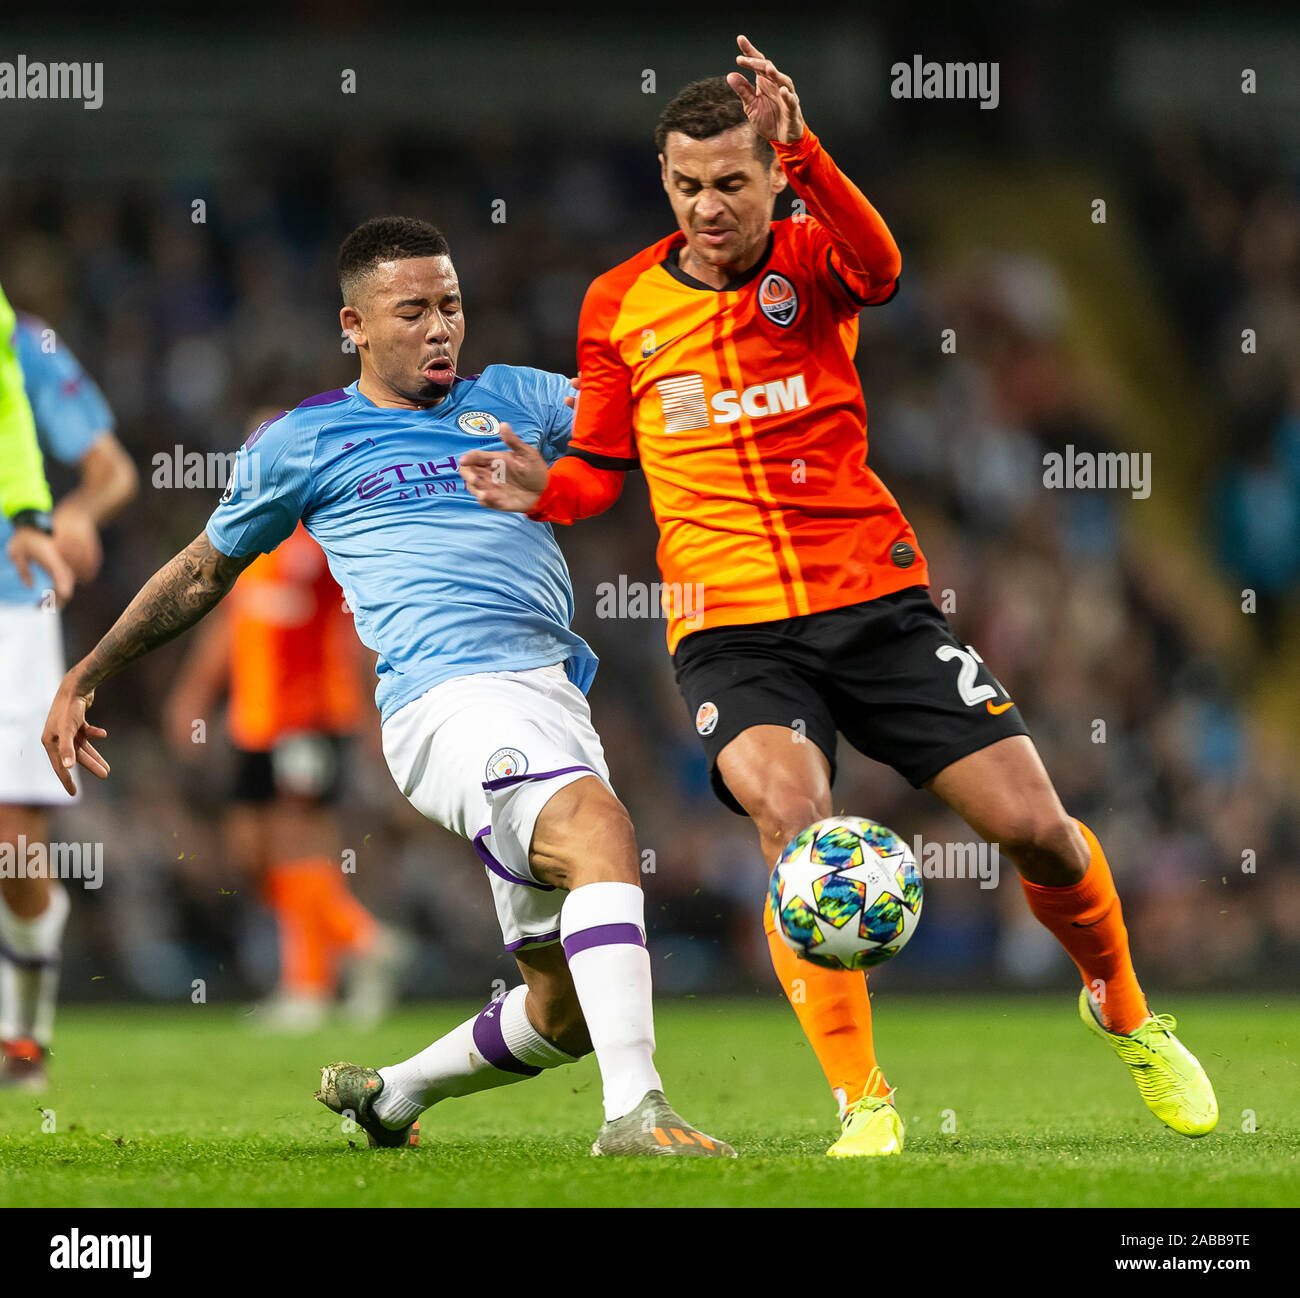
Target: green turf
188, 1107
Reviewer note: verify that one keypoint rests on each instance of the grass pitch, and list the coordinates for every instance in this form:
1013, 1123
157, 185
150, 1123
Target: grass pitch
1007, 1103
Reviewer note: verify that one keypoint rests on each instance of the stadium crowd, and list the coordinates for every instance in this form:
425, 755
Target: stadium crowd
191, 327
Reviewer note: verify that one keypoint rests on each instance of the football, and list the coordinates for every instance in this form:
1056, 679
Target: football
846, 893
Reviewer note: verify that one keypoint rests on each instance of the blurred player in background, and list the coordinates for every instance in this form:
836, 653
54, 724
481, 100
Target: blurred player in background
283, 647
75, 427
25, 500
720, 360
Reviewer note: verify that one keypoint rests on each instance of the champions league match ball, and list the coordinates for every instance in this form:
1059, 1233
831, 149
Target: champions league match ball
846, 893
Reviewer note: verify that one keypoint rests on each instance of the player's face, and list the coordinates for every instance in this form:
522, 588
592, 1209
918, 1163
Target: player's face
409, 328
722, 195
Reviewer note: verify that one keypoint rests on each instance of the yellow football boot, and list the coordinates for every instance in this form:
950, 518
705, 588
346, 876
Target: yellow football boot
872, 1127
1169, 1077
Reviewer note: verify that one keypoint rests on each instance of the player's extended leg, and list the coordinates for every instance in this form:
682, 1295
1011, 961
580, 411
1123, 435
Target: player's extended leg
784, 785
1004, 793
33, 913
534, 1026
590, 992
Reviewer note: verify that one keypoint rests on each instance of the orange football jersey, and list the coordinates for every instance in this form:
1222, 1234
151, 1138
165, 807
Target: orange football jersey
295, 658
744, 409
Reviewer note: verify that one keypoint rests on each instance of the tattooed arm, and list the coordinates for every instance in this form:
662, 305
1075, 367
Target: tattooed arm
171, 601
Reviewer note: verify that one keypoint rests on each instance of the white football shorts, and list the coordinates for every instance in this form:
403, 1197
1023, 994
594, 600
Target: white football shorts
482, 755
31, 667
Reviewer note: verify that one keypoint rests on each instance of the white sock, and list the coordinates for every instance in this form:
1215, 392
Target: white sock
498, 1047
29, 968
602, 927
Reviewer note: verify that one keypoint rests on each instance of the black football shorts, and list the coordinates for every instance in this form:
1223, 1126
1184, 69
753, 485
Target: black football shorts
888, 674
306, 765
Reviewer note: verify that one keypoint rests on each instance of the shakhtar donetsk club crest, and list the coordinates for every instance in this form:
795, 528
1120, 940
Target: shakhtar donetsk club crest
777, 299
706, 719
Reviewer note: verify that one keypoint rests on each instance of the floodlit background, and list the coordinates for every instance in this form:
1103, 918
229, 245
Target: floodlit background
1091, 606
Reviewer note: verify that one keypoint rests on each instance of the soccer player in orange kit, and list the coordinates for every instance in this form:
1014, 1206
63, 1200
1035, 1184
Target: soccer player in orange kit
720, 361
285, 650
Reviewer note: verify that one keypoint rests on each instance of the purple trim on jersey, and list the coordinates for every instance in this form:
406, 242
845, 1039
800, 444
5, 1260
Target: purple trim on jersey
490, 1042
27, 961
485, 855
324, 398
507, 780
255, 436
540, 940
320, 399
602, 935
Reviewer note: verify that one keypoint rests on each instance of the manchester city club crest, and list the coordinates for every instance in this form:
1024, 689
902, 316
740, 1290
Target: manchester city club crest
777, 299
479, 423
504, 763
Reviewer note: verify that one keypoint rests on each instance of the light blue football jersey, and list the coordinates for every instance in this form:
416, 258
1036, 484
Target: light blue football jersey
438, 585
70, 413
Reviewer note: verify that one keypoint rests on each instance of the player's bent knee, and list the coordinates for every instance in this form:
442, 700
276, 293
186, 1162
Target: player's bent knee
784, 812
1047, 848
584, 835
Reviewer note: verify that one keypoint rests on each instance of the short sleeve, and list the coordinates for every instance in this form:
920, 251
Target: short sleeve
268, 489
556, 416
602, 430
70, 411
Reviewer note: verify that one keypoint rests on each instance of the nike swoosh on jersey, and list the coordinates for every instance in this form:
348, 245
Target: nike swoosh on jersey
1001, 707
645, 355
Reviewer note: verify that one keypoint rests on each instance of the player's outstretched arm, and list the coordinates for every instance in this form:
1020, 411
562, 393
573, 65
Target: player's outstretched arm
172, 600
511, 480
861, 240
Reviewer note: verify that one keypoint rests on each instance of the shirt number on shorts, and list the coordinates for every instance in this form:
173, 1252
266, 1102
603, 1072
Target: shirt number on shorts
972, 695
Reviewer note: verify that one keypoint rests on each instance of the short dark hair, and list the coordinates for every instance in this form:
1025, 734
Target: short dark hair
705, 109
385, 238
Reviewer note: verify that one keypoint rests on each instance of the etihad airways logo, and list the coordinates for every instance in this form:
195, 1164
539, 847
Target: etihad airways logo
686, 405
412, 478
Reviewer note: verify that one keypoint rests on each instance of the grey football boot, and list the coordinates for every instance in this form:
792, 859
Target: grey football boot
654, 1127
351, 1090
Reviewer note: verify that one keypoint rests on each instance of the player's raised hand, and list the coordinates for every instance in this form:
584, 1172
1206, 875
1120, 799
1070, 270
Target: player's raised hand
67, 735
770, 103
511, 480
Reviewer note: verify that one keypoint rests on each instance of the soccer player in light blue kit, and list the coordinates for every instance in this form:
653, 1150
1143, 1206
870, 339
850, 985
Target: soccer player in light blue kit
481, 684
74, 426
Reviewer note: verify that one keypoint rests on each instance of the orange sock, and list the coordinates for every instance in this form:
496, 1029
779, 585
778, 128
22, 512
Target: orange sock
292, 891
347, 923
1086, 919
834, 1011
